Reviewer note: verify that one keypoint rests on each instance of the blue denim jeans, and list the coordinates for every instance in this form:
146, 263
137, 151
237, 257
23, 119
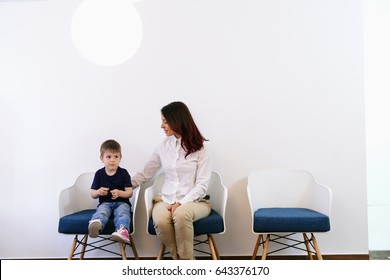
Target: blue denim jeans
120, 210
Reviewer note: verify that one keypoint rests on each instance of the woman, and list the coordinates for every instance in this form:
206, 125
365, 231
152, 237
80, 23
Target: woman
184, 156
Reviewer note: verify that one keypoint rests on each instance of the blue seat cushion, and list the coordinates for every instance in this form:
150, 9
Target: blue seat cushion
213, 223
77, 223
290, 220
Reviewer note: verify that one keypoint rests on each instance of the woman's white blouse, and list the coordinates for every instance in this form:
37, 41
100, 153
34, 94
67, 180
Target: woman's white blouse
186, 179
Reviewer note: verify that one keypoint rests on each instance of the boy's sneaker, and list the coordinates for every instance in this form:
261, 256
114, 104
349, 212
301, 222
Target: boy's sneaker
94, 228
121, 235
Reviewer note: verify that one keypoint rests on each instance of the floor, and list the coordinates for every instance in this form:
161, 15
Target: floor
379, 255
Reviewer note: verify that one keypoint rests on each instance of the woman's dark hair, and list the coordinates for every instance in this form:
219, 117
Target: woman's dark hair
179, 119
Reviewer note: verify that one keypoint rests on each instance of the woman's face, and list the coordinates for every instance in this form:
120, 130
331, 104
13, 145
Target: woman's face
168, 131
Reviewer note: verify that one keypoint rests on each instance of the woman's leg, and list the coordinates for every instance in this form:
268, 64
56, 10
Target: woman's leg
164, 227
183, 219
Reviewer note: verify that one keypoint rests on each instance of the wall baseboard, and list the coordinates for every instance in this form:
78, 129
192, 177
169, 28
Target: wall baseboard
287, 257
303, 257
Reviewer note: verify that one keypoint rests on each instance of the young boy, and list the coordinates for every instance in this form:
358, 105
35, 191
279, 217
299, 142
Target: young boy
112, 185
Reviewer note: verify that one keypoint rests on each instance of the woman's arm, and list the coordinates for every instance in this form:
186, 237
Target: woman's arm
150, 169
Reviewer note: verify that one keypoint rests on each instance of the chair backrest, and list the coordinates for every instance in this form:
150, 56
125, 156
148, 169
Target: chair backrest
78, 197
217, 191
287, 188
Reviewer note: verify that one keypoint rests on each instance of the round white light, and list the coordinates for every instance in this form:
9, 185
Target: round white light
106, 32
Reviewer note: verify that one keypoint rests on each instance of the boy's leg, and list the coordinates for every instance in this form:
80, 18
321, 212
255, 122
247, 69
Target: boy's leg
122, 215
122, 220
99, 219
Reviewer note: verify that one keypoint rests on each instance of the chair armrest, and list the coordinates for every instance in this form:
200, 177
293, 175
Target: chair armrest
67, 202
148, 202
322, 199
218, 194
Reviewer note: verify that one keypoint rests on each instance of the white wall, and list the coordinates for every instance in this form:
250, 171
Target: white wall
377, 87
270, 83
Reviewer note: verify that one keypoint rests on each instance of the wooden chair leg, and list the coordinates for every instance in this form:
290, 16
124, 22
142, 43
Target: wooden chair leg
307, 244
84, 242
161, 252
132, 244
122, 248
258, 241
213, 247
316, 247
266, 245
73, 248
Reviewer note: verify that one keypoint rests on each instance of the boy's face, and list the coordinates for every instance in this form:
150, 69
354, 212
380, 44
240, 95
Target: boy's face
111, 160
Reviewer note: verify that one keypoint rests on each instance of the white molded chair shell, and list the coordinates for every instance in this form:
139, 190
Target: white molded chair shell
287, 188
77, 198
279, 194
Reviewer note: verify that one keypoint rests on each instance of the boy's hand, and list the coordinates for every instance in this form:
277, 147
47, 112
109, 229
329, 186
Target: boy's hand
115, 194
127, 193
103, 191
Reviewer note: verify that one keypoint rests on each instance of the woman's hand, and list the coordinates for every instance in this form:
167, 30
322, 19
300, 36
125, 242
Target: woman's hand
172, 208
